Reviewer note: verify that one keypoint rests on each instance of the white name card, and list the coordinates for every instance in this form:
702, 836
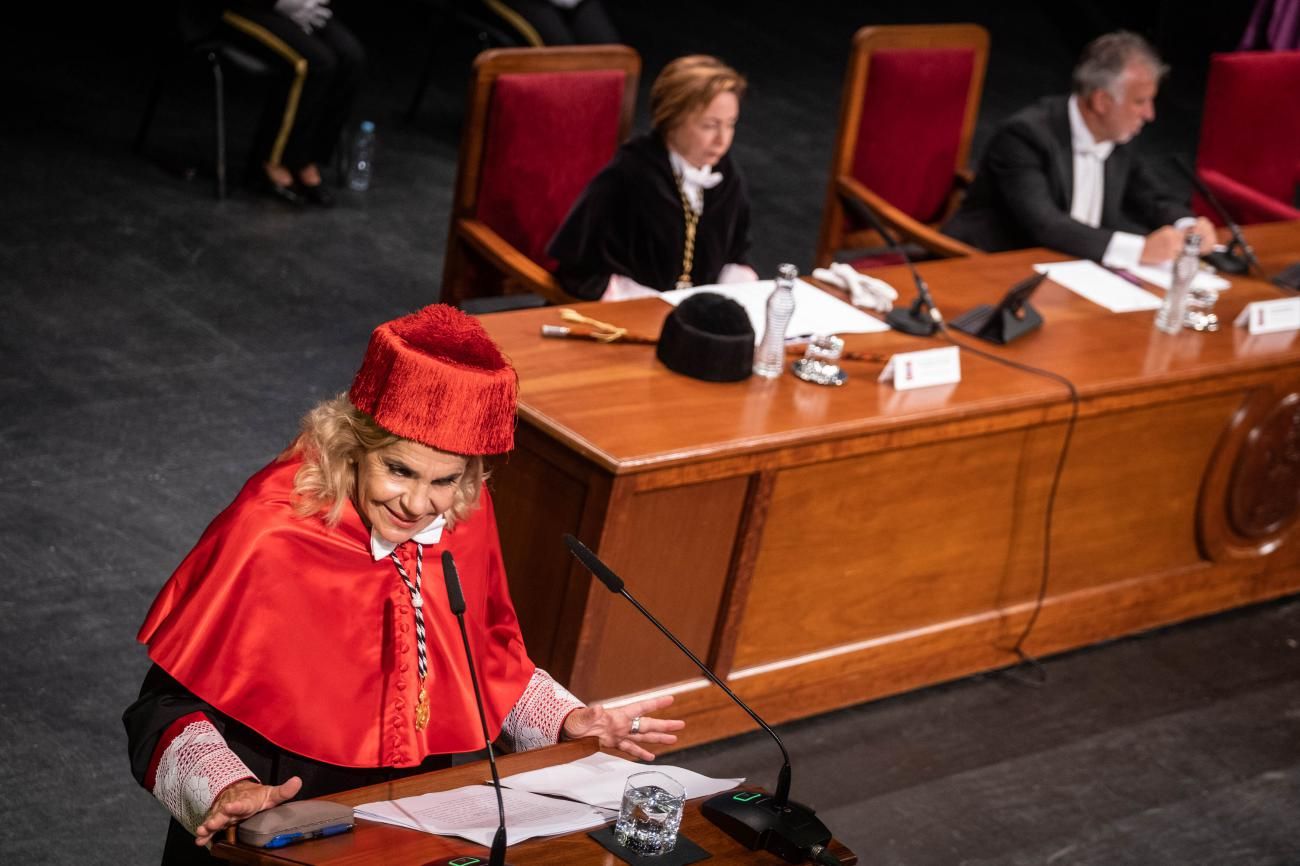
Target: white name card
909, 370
1270, 317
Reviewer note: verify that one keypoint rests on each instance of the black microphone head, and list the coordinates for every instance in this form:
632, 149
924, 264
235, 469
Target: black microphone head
612, 581
455, 598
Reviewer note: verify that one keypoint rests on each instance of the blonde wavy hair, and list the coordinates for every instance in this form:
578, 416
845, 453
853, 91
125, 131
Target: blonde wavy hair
687, 85
333, 439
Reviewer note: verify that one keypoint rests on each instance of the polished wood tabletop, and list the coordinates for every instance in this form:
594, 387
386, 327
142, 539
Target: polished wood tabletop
375, 844
824, 546
619, 406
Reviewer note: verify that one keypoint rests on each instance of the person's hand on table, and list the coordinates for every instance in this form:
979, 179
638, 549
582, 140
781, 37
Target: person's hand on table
1162, 245
241, 800
1209, 236
614, 726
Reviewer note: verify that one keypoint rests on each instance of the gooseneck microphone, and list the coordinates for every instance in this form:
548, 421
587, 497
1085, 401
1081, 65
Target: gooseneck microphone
1227, 261
788, 829
922, 318
456, 601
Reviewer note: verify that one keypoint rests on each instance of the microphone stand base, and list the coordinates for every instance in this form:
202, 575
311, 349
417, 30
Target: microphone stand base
911, 321
755, 821
1228, 262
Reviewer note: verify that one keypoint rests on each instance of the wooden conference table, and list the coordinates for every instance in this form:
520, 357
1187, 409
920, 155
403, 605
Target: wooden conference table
825, 546
375, 844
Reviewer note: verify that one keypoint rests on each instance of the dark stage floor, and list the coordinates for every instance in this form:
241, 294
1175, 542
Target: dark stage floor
156, 347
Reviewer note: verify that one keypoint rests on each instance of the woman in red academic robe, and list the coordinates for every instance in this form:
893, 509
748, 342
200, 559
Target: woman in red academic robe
305, 645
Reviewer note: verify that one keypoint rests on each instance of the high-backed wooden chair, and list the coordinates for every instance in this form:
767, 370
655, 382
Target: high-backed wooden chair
911, 97
1249, 153
541, 123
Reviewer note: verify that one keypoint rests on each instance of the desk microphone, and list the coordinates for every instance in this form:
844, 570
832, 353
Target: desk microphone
1226, 261
786, 828
456, 601
922, 318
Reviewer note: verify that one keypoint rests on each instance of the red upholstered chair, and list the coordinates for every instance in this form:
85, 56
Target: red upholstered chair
1249, 155
911, 96
541, 123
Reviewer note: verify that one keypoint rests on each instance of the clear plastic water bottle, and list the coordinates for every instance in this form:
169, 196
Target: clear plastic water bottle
1169, 318
362, 163
769, 357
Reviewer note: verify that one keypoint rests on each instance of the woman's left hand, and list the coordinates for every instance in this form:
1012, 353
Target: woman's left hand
614, 726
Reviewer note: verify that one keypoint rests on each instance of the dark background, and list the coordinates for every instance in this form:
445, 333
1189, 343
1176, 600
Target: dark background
157, 347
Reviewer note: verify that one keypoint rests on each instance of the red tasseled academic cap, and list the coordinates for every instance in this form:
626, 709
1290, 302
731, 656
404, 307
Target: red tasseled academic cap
435, 377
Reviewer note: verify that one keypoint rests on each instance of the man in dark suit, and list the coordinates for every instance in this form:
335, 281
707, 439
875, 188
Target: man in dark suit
1061, 174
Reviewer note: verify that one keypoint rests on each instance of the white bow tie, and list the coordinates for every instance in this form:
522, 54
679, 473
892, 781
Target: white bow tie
694, 180
381, 548
705, 178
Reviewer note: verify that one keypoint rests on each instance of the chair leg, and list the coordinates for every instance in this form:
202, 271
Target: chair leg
219, 98
425, 74
146, 121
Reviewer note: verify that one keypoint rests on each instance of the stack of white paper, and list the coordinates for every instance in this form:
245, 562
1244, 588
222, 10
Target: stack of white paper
471, 813
815, 312
598, 780
1091, 281
1163, 276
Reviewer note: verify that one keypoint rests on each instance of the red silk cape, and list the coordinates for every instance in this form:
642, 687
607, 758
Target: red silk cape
291, 628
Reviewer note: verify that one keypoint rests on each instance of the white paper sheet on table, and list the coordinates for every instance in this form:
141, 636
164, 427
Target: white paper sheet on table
815, 311
471, 813
1092, 282
598, 780
1163, 276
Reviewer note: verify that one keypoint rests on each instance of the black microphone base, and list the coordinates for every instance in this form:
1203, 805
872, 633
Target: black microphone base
753, 820
1226, 262
911, 321
461, 860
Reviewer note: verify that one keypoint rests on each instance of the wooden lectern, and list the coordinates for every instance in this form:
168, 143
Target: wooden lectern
372, 844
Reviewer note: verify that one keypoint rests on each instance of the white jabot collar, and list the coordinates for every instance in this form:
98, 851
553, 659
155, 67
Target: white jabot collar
694, 180
381, 548
1081, 138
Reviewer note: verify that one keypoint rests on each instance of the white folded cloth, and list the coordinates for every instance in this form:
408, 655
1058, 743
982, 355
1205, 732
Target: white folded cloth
864, 291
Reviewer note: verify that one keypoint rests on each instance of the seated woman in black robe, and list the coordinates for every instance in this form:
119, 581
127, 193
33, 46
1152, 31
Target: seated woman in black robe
671, 209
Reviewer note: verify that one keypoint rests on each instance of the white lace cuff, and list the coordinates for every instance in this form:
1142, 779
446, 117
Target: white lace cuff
193, 769
539, 714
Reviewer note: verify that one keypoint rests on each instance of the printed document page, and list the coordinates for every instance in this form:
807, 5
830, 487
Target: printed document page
816, 313
1163, 276
471, 813
1092, 282
598, 780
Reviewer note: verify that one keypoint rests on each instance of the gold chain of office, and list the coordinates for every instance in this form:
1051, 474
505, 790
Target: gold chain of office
688, 247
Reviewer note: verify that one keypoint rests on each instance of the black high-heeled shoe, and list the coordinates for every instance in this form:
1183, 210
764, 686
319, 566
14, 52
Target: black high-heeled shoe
263, 184
317, 195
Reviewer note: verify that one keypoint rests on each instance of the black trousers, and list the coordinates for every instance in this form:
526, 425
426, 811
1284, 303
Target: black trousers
585, 24
318, 75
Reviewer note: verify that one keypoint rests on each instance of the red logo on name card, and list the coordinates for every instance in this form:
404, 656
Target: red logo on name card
907, 370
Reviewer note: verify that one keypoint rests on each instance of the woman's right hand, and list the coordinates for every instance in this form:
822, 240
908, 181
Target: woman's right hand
241, 800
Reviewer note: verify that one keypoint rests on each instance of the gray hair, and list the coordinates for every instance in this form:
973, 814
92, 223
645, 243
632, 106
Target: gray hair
1102, 64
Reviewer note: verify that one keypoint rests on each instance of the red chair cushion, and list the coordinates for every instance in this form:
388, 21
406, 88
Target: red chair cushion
547, 135
881, 260
1250, 130
910, 131
1246, 205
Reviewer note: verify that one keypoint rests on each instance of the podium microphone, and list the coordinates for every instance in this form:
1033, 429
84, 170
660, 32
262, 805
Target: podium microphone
1226, 261
786, 828
456, 601
922, 318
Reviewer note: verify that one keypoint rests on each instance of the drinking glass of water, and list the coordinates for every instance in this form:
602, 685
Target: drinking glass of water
651, 813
